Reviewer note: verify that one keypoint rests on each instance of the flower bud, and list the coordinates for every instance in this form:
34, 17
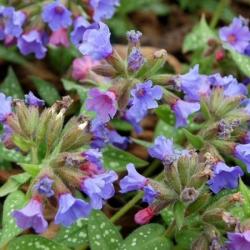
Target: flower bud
144, 216
219, 55
116, 62
105, 69
200, 244
189, 195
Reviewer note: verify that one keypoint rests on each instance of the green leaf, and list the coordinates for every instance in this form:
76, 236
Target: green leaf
14, 201
11, 55
179, 210
75, 235
46, 90
11, 85
167, 215
31, 169
103, 235
117, 159
33, 242
143, 143
242, 61
195, 140
246, 195
165, 113
198, 37
170, 132
121, 125
13, 183
147, 237
12, 155
81, 90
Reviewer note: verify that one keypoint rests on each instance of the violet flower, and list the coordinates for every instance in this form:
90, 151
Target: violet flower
236, 35
103, 9
71, 209
31, 216
5, 107
32, 100
99, 188
149, 194
80, 26
95, 41
103, 103
134, 37
44, 187
135, 60
182, 111
94, 156
56, 15
33, 42
242, 152
133, 181
224, 177
144, 97
238, 240
163, 150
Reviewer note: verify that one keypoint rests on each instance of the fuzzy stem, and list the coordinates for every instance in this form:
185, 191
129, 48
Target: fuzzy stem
218, 12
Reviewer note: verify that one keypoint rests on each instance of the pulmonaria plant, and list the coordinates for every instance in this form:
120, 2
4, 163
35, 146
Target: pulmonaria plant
61, 165
17, 26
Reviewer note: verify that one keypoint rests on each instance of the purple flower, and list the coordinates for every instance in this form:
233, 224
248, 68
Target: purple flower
238, 241
194, 85
149, 194
56, 15
135, 60
94, 156
5, 107
96, 41
134, 119
71, 209
133, 181
44, 187
236, 35
118, 140
182, 110
33, 42
99, 188
144, 97
14, 21
6, 135
234, 89
134, 37
59, 38
32, 100
247, 50
103, 103
103, 9
163, 150
31, 216
224, 177
242, 152
80, 26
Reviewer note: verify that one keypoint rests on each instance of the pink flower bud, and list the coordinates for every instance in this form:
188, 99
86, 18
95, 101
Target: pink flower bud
59, 38
82, 66
219, 55
144, 216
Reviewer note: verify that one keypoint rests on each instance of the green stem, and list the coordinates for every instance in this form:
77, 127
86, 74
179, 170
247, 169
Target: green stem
151, 168
218, 12
126, 208
170, 230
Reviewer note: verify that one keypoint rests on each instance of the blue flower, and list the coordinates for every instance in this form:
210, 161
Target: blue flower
71, 209
135, 60
182, 111
31, 216
242, 152
224, 177
44, 187
56, 15
32, 100
149, 194
134, 37
103, 9
99, 188
94, 156
133, 181
80, 25
95, 41
163, 150
5, 107
144, 97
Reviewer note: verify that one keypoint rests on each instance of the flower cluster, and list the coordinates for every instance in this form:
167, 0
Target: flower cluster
17, 29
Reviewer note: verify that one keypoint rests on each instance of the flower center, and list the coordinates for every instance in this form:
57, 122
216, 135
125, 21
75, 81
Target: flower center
59, 9
141, 92
232, 39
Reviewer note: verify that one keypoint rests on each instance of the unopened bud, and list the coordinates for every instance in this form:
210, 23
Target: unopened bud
144, 216
117, 62
189, 195
219, 55
215, 244
172, 179
105, 70
200, 244
229, 219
